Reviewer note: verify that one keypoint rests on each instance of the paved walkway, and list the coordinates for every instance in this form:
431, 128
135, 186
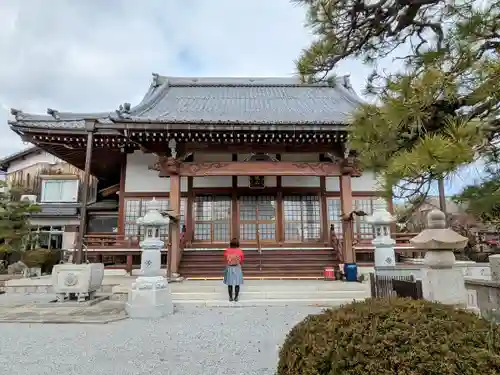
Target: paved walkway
194, 341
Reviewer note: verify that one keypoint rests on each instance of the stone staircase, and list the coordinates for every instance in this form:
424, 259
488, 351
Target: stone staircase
213, 293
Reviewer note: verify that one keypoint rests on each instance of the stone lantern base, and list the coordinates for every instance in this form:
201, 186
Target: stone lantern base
150, 298
441, 281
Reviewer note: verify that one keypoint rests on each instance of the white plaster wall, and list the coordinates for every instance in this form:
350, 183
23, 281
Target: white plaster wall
332, 184
68, 240
140, 179
200, 157
300, 181
367, 182
54, 221
212, 181
41, 157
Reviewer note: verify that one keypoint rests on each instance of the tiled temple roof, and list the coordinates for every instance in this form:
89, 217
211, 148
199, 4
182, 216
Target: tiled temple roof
220, 101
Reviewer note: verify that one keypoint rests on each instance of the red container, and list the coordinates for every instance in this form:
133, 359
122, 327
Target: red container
328, 273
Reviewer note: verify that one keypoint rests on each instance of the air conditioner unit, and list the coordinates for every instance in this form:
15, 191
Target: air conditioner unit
30, 198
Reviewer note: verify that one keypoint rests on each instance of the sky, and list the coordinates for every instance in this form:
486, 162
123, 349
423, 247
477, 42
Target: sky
93, 55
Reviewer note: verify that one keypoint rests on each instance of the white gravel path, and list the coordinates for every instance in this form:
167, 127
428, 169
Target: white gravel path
203, 341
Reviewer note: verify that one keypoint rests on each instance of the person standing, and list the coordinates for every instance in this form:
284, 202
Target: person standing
233, 275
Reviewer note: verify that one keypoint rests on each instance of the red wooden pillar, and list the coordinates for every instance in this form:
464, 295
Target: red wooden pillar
347, 219
175, 207
129, 266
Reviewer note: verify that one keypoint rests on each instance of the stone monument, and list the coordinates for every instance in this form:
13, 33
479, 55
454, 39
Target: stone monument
385, 257
495, 267
441, 281
150, 295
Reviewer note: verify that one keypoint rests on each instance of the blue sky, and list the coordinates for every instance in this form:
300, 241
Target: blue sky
94, 55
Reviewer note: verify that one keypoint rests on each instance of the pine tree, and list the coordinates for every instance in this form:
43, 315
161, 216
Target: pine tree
442, 110
14, 219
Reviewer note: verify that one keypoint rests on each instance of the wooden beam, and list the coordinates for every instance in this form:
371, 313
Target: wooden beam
254, 168
121, 196
248, 148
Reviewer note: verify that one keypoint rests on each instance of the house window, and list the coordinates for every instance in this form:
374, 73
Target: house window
362, 229
302, 218
258, 218
212, 218
335, 215
59, 191
136, 208
46, 237
102, 224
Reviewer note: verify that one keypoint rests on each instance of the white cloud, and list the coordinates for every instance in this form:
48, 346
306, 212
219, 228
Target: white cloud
94, 55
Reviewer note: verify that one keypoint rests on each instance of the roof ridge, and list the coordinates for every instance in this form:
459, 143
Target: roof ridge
285, 81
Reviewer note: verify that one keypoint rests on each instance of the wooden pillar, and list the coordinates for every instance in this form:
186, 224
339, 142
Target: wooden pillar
235, 229
346, 203
280, 225
325, 228
175, 207
189, 213
121, 197
90, 127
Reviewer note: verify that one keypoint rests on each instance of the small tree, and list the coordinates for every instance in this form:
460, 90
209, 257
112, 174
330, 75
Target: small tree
14, 219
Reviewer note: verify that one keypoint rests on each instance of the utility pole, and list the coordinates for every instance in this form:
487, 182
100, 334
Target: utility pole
442, 196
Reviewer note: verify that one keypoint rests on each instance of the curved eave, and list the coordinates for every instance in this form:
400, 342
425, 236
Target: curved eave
71, 120
142, 124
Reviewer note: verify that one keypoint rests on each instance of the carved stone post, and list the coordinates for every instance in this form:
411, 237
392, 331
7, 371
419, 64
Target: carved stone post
150, 295
385, 257
495, 267
441, 281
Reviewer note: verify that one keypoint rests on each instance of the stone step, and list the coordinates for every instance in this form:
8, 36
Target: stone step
256, 295
326, 302
301, 286
261, 293
253, 302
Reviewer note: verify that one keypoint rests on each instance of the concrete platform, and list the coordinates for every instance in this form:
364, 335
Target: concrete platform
43, 284
213, 293
36, 309
260, 293
55, 305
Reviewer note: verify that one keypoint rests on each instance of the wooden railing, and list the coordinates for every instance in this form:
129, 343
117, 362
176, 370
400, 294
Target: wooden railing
364, 248
120, 241
109, 240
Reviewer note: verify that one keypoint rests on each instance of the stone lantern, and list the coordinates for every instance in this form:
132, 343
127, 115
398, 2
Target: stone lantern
150, 295
381, 220
441, 281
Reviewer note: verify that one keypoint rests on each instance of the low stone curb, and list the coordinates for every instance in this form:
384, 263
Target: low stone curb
63, 321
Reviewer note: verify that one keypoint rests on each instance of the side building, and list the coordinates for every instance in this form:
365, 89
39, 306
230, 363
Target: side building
56, 187
264, 160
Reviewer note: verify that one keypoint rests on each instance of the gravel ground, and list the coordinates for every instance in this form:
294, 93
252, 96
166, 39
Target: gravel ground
203, 341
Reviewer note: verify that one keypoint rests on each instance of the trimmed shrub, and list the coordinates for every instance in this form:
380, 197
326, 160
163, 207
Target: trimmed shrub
392, 336
44, 258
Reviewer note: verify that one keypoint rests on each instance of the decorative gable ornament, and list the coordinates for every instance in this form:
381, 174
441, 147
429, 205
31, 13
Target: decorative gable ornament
257, 182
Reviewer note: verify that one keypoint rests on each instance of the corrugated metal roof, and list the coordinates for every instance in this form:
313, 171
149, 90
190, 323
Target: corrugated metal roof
222, 100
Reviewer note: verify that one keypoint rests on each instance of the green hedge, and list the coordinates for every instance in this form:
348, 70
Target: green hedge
392, 336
